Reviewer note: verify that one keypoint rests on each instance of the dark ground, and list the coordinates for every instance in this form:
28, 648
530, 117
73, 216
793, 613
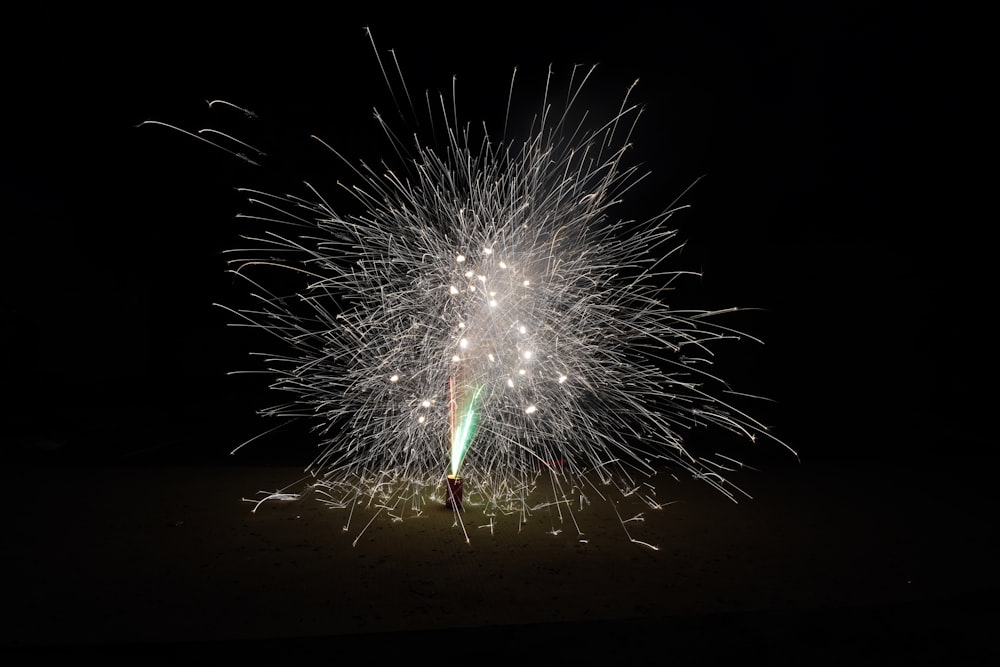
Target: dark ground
826, 565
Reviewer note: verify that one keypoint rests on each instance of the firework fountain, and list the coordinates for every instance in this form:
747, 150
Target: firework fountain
484, 333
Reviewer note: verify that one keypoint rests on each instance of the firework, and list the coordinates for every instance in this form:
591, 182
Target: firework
481, 330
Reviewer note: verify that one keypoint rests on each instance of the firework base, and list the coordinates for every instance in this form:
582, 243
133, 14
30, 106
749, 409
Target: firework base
453, 492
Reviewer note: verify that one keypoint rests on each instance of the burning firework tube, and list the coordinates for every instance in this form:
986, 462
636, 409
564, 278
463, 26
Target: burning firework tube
453, 494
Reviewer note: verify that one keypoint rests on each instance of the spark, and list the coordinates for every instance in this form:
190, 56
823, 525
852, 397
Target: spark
484, 308
198, 135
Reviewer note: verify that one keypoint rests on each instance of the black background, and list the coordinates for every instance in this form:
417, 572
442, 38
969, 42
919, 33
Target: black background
830, 201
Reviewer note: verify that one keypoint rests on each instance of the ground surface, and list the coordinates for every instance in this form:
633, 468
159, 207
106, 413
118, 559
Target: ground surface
828, 564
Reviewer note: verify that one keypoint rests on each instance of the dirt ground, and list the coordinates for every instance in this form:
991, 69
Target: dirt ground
826, 564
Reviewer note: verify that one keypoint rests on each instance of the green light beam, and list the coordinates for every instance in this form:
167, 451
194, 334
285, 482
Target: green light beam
462, 436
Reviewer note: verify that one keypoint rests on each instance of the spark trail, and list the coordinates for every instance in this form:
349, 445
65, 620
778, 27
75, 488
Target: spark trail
484, 311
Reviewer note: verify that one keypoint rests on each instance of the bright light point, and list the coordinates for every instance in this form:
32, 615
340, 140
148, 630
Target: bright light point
470, 273
522, 372
472, 288
453, 290
491, 357
482, 278
464, 343
460, 259
461, 325
510, 383
487, 251
493, 303
562, 378
526, 354
503, 265
421, 419
527, 282
531, 409
522, 329
456, 358
425, 403
394, 378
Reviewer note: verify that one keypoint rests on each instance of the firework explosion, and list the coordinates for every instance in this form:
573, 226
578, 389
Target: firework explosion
485, 318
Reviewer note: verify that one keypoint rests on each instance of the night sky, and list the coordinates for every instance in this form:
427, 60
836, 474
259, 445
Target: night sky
821, 136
